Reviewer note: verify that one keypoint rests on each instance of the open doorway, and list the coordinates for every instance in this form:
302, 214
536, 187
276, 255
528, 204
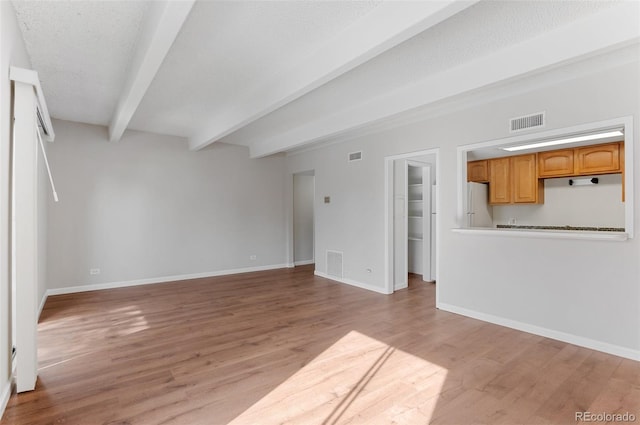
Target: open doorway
303, 218
411, 219
419, 226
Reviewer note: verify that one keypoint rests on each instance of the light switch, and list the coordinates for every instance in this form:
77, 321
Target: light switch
327, 199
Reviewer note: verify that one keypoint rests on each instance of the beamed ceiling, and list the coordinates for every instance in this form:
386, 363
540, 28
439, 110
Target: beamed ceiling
279, 75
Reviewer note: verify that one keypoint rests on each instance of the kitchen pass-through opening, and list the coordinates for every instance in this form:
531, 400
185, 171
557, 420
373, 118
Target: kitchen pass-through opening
574, 180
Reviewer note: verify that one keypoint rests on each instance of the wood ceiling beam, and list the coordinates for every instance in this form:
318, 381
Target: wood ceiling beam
597, 34
388, 25
164, 21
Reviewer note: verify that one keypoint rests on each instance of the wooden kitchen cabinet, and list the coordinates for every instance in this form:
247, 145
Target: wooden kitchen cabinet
520, 179
526, 187
599, 159
584, 161
500, 181
555, 163
622, 166
514, 180
478, 171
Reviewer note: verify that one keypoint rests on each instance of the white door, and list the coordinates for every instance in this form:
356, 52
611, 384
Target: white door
426, 223
400, 271
303, 218
434, 209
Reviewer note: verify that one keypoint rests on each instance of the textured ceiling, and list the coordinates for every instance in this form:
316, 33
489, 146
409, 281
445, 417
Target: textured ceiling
228, 54
82, 51
227, 49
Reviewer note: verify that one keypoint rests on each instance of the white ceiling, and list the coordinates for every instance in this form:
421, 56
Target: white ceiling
81, 51
227, 50
276, 76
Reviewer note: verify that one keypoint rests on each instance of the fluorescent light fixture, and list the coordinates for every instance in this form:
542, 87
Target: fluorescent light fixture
573, 139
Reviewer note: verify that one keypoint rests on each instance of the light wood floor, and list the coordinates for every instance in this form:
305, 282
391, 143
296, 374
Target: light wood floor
287, 347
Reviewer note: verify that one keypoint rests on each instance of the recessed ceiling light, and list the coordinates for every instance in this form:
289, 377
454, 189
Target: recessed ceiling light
566, 140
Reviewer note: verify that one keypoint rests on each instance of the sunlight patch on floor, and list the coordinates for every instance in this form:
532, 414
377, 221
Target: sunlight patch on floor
123, 321
357, 380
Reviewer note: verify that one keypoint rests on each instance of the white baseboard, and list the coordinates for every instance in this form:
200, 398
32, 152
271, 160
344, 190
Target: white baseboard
162, 279
352, 283
304, 262
605, 347
6, 393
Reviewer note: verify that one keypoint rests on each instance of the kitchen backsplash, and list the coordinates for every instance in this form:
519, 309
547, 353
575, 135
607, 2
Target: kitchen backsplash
595, 205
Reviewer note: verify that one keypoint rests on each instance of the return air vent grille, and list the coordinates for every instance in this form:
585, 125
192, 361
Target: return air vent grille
527, 122
334, 264
355, 156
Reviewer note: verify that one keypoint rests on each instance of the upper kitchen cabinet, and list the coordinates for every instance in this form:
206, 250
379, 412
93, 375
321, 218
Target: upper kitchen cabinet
600, 159
499, 181
478, 171
582, 161
555, 163
527, 188
514, 180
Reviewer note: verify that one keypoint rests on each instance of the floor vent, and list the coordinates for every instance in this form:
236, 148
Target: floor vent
527, 122
334, 264
355, 156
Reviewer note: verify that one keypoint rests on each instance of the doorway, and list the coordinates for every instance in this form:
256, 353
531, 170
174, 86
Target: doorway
411, 220
419, 222
304, 218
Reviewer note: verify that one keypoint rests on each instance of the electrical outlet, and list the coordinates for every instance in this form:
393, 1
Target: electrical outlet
252, 257
94, 271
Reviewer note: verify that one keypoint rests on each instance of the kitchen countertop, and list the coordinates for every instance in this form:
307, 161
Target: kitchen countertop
576, 228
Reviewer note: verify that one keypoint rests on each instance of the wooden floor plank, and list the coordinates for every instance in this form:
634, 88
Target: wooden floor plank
286, 346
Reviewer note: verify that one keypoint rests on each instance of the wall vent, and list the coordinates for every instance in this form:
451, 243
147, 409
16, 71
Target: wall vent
527, 122
334, 264
355, 156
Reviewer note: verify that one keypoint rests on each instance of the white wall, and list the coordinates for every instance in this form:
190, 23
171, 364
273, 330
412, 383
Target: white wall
598, 205
303, 194
147, 207
12, 53
586, 291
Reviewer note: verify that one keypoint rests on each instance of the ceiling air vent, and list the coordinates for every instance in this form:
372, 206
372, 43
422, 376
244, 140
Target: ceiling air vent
334, 264
355, 156
526, 122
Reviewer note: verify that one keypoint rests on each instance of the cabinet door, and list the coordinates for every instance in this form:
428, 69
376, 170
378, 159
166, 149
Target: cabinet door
527, 189
478, 171
598, 159
499, 181
555, 163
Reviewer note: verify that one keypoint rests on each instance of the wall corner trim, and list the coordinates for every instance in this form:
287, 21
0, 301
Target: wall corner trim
4, 398
42, 303
580, 341
352, 283
162, 279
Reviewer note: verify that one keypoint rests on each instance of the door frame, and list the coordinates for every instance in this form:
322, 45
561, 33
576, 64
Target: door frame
389, 220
